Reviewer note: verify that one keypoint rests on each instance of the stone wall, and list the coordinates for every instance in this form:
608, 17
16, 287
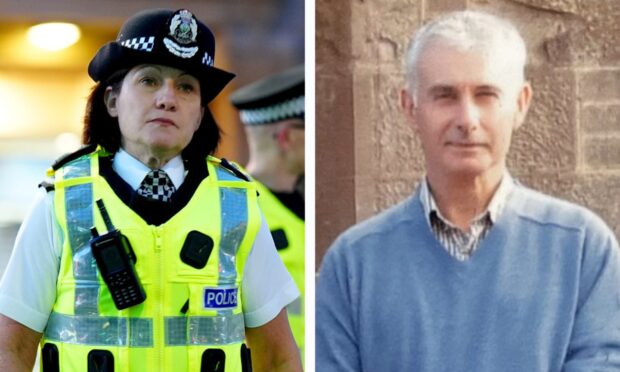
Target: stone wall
368, 158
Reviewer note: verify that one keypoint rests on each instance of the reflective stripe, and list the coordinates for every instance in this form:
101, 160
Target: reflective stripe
234, 209
114, 331
86, 297
225, 175
98, 330
77, 168
204, 330
141, 332
79, 213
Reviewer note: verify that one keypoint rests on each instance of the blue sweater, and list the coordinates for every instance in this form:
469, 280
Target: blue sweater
541, 293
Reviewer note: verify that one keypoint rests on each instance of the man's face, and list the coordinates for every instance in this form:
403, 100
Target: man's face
158, 109
465, 109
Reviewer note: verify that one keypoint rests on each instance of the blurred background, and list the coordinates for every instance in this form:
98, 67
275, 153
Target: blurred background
43, 88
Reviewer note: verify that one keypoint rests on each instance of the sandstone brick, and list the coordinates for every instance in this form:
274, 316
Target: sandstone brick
590, 39
383, 42
548, 137
601, 152
364, 112
599, 193
600, 119
335, 174
446, 5
560, 49
365, 195
333, 32
386, 148
603, 31
335, 210
396, 148
334, 125
600, 85
584, 45
564, 32
391, 190
562, 6
535, 25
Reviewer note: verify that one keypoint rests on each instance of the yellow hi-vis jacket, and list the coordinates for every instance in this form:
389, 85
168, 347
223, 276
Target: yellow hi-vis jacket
86, 332
288, 231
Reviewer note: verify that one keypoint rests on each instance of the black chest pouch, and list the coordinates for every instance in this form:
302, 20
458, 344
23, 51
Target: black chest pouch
197, 249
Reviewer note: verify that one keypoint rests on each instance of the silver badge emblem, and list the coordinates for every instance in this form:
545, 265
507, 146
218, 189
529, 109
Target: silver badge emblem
183, 27
183, 31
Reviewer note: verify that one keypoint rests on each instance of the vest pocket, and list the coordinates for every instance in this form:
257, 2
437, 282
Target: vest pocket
49, 358
100, 361
213, 360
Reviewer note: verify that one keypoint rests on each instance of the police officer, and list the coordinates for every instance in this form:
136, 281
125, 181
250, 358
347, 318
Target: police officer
272, 110
181, 269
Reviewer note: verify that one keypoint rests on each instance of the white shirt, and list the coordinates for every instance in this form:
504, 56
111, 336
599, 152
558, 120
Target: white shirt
28, 287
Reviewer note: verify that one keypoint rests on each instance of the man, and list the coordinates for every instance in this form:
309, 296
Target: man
272, 110
474, 272
143, 252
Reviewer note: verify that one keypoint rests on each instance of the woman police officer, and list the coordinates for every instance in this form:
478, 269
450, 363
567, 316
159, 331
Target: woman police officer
184, 271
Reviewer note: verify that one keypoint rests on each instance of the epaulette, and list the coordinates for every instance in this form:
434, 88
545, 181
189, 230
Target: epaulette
87, 149
48, 186
231, 167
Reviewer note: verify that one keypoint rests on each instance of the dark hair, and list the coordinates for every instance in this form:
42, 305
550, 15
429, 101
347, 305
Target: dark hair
102, 129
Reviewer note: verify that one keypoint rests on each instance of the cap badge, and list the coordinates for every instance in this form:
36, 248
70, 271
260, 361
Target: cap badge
183, 27
183, 30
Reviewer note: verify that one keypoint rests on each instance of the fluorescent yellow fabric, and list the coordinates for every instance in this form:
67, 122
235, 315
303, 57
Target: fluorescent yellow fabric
278, 216
155, 335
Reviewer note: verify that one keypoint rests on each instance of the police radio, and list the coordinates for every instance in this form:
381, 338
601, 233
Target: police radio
115, 260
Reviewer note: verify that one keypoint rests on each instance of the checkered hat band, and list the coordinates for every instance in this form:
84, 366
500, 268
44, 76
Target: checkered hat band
207, 60
157, 185
288, 109
144, 43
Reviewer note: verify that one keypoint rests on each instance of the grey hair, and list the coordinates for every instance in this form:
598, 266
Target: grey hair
467, 30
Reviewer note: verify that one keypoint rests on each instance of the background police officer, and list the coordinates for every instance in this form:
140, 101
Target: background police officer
272, 110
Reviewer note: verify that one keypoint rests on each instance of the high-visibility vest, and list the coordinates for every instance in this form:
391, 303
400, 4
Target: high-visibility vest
288, 231
192, 318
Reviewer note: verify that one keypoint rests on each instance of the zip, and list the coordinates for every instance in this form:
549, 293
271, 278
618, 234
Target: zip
158, 319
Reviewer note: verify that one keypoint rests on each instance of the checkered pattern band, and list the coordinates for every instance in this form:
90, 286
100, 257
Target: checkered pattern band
289, 109
157, 185
207, 59
144, 43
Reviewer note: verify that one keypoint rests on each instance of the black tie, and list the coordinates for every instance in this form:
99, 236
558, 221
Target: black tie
157, 185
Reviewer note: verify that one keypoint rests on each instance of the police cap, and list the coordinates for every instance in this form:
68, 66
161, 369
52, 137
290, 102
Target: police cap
164, 37
274, 98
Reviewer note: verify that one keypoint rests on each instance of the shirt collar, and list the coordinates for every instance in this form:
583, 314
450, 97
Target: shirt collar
133, 171
494, 209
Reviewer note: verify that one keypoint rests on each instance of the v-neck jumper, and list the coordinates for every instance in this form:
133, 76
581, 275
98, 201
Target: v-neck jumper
541, 293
